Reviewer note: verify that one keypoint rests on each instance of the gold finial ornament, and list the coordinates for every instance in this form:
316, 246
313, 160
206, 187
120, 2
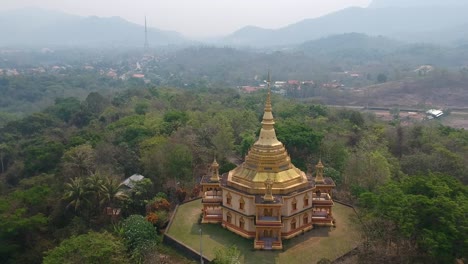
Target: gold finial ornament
319, 174
268, 190
214, 171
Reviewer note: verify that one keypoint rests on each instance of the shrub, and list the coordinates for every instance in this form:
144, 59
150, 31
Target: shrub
88, 248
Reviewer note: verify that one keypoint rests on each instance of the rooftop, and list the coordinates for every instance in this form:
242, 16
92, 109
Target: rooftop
130, 181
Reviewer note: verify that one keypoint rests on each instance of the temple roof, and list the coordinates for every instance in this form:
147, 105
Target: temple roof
268, 158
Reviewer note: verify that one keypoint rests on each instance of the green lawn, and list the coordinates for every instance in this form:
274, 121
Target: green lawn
322, 242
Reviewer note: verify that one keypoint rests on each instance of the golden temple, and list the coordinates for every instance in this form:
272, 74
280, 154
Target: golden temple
266, 197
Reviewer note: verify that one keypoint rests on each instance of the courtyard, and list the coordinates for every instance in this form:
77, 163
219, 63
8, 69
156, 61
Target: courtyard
321, 242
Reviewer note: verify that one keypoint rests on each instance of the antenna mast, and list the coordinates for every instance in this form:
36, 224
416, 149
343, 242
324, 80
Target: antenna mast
146, 36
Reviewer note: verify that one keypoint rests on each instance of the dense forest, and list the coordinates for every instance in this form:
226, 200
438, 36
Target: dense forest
62, 170
74, 124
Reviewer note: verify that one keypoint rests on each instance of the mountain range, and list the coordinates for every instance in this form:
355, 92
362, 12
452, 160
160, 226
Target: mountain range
434, 21
413, 23
33, 26
416, 3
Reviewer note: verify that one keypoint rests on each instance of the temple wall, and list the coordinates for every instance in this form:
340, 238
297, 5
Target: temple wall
301, 225
249, 226
249, 204
287, 208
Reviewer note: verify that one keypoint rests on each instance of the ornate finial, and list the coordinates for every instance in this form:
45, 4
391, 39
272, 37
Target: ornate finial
268, 197
268, 100
268, 120
214, 171
319, 174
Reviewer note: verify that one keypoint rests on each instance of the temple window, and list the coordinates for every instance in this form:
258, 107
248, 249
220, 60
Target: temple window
241, 204
228, 199
228, 217
294, 204
293, 224
241, 223
305, 218
306, 200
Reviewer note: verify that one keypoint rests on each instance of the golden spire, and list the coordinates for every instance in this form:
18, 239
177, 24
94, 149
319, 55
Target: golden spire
268, 99
214, 171
319, 174
267, 163
267, 133
267, 114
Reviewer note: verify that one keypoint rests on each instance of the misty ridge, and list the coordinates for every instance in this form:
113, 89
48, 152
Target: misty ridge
439, 22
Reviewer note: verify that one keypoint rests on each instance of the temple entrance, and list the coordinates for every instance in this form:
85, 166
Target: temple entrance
269, 237
267, 233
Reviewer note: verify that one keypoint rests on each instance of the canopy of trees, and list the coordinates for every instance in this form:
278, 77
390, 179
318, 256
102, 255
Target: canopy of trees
62, 168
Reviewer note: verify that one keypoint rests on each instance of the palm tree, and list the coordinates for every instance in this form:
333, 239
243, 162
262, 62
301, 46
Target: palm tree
80, 160
77, 193
111, 191
94, 184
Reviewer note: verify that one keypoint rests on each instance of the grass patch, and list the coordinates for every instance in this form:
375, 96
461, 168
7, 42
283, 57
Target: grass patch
322, 242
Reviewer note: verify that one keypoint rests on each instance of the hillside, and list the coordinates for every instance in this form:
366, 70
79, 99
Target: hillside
38, 27
358, 49
415, 3
350, 44
440, 90
372, 21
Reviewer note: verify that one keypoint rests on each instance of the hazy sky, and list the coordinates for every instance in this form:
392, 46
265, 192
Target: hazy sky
196, 18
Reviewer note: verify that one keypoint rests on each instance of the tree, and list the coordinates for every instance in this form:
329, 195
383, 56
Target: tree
65, 108
77, 194
223, 139
381, 78
141, 108
334, 152
230, 255
88, 248
424, 213
139, 195
367, 170
42, 156
111, 192
95, 103
21, 219
93, 185
300, 139
168, 162
33, 124
247, 141
174, 119
79, 161
139, 235
4, 151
